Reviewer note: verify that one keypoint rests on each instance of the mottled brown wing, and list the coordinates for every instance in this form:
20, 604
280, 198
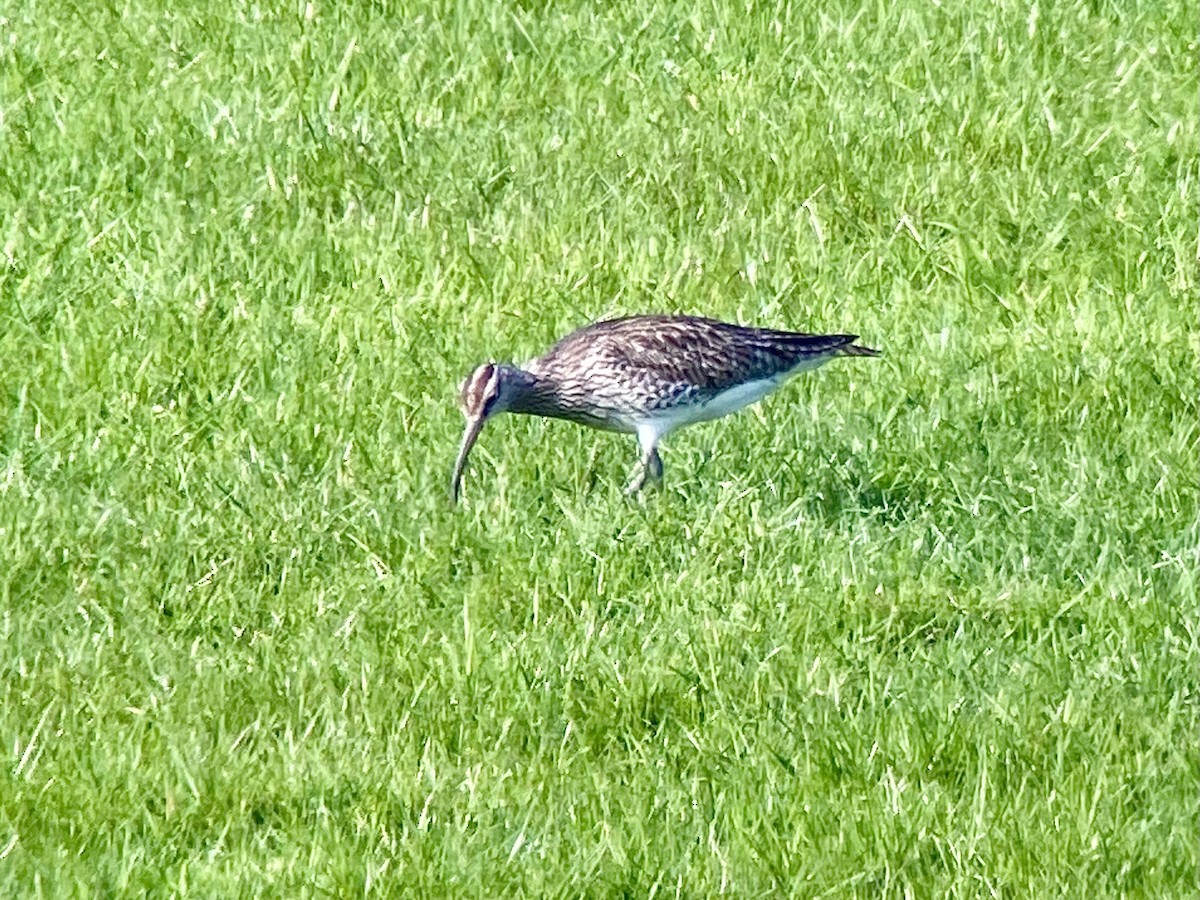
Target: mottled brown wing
698, 355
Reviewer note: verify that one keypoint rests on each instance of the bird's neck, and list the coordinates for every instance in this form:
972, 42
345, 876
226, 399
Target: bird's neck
532, 395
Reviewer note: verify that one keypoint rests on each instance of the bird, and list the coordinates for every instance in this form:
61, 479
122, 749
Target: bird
645, 375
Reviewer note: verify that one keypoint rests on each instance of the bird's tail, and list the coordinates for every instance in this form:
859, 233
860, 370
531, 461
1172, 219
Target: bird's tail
856, 350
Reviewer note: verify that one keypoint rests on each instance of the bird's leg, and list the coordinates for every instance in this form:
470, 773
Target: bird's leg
637, 482
654, 466
650, 467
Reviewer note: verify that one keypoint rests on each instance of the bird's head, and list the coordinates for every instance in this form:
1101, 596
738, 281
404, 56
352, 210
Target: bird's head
486, 391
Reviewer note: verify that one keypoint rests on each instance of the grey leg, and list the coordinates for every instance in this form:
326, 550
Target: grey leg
650, 469
637, 482
654, 465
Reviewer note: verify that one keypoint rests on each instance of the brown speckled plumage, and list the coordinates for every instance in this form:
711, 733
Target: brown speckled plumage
647, 375
652, 362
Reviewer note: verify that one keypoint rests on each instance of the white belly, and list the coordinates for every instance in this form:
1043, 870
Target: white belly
666, 420
728, 401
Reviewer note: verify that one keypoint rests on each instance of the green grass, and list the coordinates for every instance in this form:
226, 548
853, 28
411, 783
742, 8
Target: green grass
925, 625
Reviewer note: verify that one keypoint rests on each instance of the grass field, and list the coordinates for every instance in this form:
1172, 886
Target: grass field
919, 626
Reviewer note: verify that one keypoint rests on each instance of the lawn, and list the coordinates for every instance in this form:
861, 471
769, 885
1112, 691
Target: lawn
925, 625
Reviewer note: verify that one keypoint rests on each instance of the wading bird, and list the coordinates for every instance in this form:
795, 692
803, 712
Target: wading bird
645, 375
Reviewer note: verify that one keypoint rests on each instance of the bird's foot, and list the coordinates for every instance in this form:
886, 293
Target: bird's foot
636, 483
651, 470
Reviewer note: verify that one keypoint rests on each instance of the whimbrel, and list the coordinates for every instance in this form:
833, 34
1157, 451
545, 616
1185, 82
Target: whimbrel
645, 375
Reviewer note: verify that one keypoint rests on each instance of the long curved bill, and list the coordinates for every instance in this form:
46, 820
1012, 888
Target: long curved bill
474, 426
